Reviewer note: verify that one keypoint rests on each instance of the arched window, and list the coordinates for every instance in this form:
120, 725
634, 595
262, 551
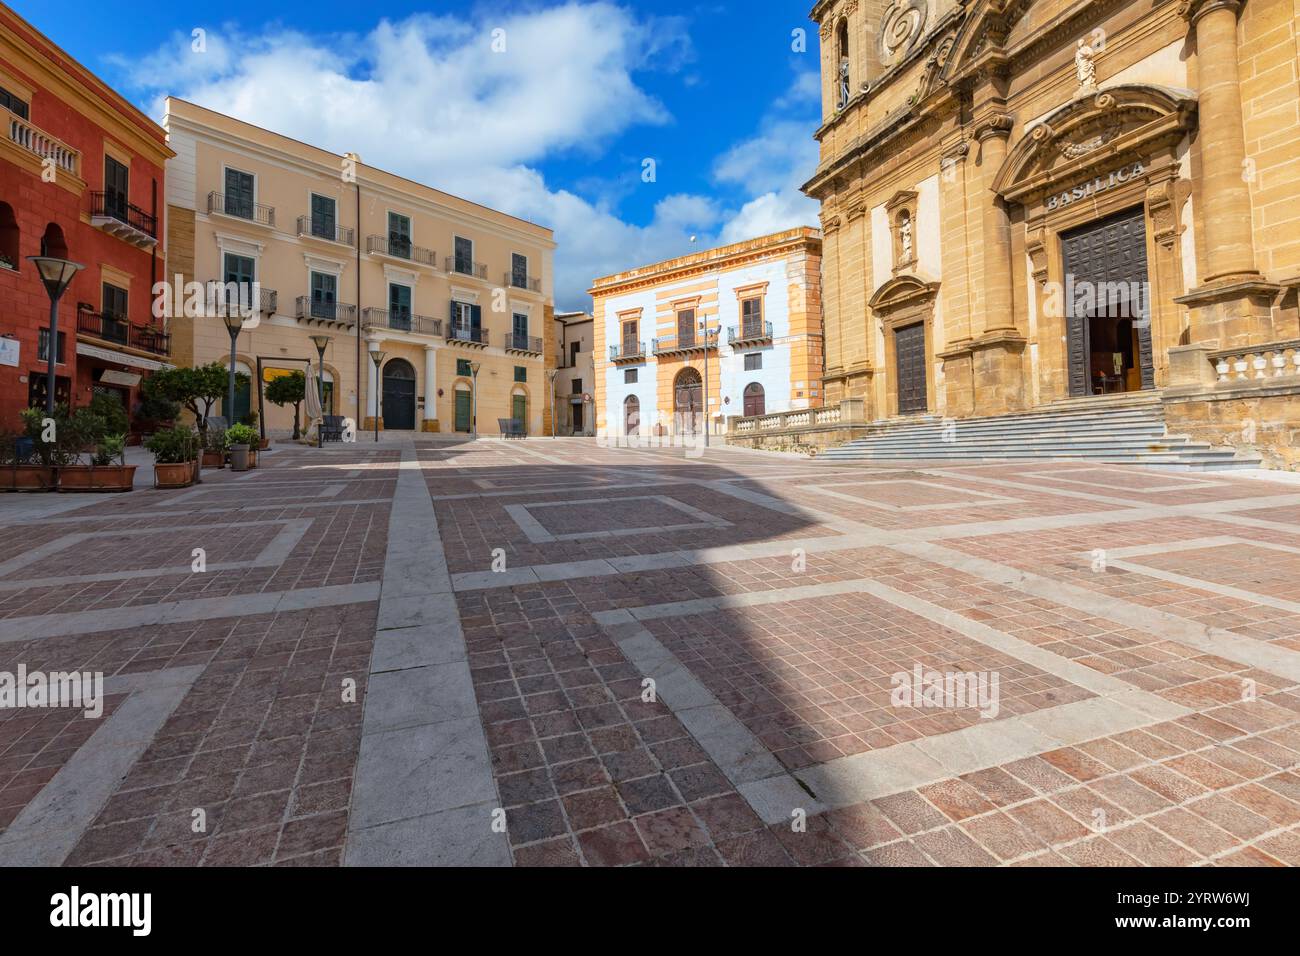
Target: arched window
53, 243
843, 66
755, 400
8, 237
632, 415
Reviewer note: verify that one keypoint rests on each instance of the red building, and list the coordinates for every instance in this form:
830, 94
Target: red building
81, 177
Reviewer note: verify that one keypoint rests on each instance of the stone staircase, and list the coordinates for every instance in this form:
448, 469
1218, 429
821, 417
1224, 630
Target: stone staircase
1121, 429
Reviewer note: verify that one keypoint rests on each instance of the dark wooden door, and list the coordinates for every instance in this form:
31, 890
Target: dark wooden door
399, 396
909, 350
1100, 259
464, 404
688, 403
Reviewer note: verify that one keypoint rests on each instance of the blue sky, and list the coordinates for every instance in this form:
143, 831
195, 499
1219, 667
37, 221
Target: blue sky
555, 127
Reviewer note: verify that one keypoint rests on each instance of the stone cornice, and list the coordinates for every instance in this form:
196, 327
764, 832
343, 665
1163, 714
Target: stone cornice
1193, 10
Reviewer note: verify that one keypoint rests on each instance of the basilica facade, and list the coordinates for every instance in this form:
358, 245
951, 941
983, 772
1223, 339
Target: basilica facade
1026, 204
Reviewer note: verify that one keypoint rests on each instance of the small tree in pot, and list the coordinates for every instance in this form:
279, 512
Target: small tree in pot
214, 448
289, 390
196, 389
241, 440
175, 451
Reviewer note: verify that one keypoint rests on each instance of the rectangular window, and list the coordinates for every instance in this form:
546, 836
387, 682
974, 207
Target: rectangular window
753, 361
629, 376
464, 256
324, 217
240, 191
117, 187
399, 235
114, 300
521, 373
239, 270
519, 271
13, 104
399, 306
751, 318
630, 344
463, 369
519, 331
686, 327
573, 353
577, 387
43, 347
324, 296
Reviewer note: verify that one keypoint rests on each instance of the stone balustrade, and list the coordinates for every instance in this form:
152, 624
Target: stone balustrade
1277, 360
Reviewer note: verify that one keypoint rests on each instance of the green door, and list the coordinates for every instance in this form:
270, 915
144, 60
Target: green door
520, 411
462, 411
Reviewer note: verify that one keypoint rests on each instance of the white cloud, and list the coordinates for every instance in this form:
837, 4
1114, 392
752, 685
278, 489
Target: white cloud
427, 98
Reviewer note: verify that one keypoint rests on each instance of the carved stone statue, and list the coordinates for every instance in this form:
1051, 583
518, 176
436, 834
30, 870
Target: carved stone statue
905, 237
844, 82
1084, 63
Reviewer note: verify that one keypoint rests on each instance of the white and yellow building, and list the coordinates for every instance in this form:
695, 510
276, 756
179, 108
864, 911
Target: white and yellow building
730, 332
440, 285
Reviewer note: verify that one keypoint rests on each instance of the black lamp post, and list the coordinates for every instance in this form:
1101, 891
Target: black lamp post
550, 374
473, 368
55, 274
234, 324
377, 357
322, 343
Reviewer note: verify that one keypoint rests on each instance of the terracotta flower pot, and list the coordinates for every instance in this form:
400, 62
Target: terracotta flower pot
27, 478
214, 459
264, 444
252, 458
101, 478
179, 475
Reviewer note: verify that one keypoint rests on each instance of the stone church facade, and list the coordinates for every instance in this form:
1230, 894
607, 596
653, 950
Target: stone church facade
1025, 203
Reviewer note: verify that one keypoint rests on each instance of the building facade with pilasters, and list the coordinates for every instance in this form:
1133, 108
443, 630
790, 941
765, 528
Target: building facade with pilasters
1030, 203
715, 335
440, 285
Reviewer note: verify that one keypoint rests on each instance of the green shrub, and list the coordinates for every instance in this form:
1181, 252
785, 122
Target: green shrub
215, 441
111, 449
174, 446
116, 420
242, 435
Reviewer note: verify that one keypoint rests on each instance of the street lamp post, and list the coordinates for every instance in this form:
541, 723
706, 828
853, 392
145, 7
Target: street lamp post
321, 342
705, 327
550, 375
377, 357
234, 324
473, 368
55, 275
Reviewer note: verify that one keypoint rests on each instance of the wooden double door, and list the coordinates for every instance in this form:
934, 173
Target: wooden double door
909, 359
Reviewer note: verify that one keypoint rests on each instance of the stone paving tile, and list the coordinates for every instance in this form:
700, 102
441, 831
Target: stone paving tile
592, 771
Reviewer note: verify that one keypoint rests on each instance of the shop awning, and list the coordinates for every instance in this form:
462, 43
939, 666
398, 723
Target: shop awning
120, 358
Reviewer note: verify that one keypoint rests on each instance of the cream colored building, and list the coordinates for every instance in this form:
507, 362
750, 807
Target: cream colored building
376, 262
575, 378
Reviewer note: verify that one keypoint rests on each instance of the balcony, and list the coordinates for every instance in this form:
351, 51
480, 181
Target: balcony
627, 352
463, 267
527, 283
41, 144
117, 217
309, 228
326, 313
682, 344
754, 333
118, 331
514, 342
239, 208
246, 299
402, 249
400, 322
470, 338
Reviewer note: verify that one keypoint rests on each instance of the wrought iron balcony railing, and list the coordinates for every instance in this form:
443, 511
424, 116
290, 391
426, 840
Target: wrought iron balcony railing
627, 352
119, 331
242, 297
466, 336
241, 208
323, 229
114, 206
695, 342
401, 249
515, 281
400, 321
749, 332
339, 313
465, 267
513, 342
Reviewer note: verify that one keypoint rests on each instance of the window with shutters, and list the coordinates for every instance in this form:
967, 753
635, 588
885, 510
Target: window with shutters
399, 306
117, 188
324, 216
519, 271
463, 369
241, 192
464, 258
399, 235
753, 361
43, 347
14, 104
751, 318
521, 373
686, 327
630, 376
324, 295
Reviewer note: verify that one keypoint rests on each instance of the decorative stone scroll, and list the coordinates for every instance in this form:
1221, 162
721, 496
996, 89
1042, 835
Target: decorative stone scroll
901, 27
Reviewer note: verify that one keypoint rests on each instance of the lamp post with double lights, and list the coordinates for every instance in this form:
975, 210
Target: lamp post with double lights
377, 357
473, 368
322, 343
550, 375
56, 274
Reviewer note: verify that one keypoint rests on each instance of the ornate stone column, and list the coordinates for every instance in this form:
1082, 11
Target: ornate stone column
1225, 193
992, 135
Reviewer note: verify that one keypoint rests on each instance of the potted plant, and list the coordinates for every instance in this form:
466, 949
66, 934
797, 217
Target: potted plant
251, 421
289, 389
196, 389
242, 440
214, 448
175, 451
107, 471
31, 461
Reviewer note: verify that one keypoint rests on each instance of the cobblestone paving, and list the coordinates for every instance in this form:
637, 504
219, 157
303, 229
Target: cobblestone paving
552, 653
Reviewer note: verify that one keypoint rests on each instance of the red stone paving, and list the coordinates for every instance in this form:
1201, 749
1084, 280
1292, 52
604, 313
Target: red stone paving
590, 773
